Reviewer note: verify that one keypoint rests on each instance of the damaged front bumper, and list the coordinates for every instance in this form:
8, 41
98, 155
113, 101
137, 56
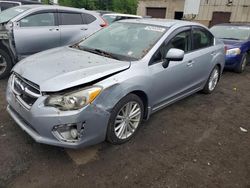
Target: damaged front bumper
46, 124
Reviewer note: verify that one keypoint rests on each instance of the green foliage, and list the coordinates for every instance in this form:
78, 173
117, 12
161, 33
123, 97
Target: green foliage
122, 6
45, 1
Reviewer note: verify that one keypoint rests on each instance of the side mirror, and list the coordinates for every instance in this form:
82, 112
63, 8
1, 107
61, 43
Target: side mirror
173, 55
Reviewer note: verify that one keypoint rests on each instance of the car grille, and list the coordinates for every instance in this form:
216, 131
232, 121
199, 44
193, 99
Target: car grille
26, 92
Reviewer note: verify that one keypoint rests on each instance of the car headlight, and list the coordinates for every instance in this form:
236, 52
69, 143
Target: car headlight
74, 100
233, 52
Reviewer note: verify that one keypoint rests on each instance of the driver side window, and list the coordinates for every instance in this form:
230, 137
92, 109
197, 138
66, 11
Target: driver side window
180, 41
38, 20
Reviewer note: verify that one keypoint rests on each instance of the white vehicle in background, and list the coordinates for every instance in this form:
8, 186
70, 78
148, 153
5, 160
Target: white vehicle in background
113, 17
29, 29
6, 4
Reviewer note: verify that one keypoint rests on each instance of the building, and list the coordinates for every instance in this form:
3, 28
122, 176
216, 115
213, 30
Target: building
210, 11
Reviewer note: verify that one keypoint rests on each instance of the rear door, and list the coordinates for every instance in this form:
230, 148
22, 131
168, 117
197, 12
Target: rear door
203, 52
37, 32
72, 27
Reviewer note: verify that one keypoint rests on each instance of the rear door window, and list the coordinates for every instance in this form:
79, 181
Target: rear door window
88, 18
38, 20
71, 19
201, 39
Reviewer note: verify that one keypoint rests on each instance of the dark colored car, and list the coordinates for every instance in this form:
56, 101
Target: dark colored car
5, 4
236, 38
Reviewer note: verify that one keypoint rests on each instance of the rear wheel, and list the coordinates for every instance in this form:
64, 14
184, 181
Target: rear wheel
212, 81
5, 64
125, 119
242, 66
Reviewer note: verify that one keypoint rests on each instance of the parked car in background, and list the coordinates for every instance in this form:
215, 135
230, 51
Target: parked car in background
113, 17
101, 12
5, 4
29, 29
103, 87
237, 40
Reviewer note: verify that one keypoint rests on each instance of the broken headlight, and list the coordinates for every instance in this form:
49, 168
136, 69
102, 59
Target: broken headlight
74, 100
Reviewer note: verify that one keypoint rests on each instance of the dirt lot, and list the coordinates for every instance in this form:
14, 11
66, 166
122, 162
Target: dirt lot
196, 142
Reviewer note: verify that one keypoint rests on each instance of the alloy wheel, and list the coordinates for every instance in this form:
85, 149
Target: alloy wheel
244, 64
127, 120
213, 80
3, 64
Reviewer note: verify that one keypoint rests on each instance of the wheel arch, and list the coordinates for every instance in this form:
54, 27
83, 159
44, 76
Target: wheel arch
143, 96
8, 51
220, 69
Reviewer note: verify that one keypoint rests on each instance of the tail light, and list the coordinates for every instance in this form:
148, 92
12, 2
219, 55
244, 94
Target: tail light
105, 23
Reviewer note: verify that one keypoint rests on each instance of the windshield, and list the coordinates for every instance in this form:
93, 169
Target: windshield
8, 14
128, 40
231, 32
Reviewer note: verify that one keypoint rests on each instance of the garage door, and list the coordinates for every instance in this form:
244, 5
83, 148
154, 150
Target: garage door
220, 17
156, 12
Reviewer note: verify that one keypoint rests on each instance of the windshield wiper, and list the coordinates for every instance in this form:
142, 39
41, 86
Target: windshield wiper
100, 52
228, 38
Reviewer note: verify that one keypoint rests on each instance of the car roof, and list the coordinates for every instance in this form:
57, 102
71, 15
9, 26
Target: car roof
125, 15
22, 1
41, 7
162, 22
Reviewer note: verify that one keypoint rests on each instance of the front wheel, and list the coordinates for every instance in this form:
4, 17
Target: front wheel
242, 66
125, 119
212, 81
5, 64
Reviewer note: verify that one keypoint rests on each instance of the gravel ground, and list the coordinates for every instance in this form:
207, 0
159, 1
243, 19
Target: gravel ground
196, 142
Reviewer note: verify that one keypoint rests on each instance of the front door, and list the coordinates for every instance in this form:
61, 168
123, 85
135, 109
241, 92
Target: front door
35, 33
174, 81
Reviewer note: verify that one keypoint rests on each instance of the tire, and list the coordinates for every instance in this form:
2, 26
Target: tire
5, 64
128, 126
208, 89
242, 66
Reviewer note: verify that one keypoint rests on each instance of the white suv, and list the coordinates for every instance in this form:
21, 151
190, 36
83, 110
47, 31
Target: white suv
9, 4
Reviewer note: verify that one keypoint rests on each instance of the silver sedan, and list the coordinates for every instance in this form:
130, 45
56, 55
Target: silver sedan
103, 87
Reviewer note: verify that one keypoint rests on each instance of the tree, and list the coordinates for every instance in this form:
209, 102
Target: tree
122, 6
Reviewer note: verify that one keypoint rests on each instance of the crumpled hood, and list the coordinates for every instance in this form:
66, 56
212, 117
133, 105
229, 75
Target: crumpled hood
65, 67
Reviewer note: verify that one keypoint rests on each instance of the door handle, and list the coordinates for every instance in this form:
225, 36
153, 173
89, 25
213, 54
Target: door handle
213, 53
54, 29
190, 63
84, 29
